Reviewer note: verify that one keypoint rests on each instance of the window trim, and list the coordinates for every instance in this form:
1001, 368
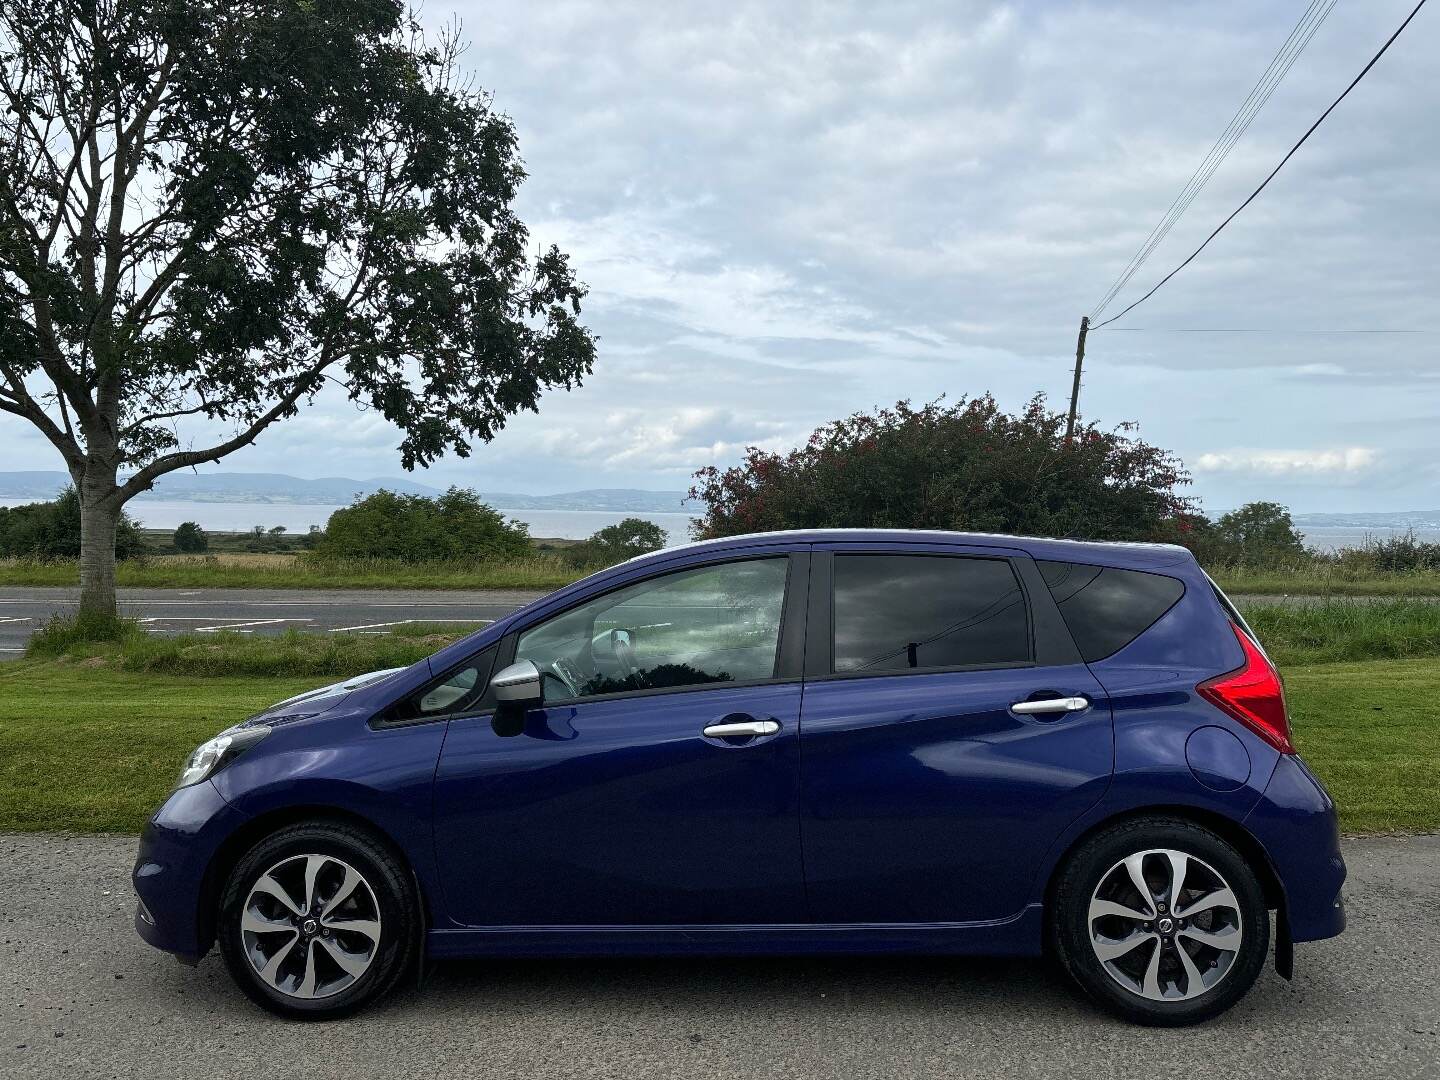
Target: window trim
820, 648
385, 719
789, 650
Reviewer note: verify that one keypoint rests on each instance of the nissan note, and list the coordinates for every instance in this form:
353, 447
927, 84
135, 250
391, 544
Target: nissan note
790, 743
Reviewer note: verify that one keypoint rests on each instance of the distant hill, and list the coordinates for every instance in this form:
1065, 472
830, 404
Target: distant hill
229, 487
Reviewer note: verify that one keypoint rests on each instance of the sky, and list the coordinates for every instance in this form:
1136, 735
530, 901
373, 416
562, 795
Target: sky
789, 212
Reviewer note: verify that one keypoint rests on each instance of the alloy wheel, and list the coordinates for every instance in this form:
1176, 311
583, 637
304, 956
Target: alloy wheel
310, 926
1164, 925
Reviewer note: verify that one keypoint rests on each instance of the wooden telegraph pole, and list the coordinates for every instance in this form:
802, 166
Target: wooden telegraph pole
1075, 386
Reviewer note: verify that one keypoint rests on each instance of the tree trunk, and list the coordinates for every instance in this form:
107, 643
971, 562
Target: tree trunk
99, 516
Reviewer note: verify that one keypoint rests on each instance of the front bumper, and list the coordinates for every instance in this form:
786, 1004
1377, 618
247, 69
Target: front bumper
1296, 823
176, 851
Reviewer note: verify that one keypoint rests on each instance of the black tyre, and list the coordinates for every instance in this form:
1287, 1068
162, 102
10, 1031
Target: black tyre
317, 920
1160, 921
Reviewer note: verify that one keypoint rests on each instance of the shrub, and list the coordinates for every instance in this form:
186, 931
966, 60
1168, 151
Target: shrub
390, 525
190, 538
52, 530
616, 543
966, 466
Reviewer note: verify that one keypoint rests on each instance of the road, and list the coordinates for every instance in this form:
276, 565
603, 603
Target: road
261, 611
82, 996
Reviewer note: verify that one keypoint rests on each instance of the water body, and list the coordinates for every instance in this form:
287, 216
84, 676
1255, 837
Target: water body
1334, 537
299, 517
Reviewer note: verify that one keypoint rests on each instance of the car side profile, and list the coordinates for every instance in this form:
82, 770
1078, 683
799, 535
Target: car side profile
789, 743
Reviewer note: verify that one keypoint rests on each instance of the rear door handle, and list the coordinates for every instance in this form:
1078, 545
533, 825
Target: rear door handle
741, 727
1050, 705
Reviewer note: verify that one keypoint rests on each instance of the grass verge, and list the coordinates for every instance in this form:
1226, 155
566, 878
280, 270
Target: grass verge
544, 572
1325, 580
1330, 631
96, 749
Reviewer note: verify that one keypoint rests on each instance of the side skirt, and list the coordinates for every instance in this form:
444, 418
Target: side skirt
1019, 935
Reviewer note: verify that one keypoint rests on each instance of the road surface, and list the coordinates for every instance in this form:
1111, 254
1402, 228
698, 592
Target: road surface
82, 996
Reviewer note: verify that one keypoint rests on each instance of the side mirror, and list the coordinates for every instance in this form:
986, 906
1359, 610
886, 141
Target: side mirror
518, 684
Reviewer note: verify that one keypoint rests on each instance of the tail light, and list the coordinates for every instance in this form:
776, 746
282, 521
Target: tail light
1252, 694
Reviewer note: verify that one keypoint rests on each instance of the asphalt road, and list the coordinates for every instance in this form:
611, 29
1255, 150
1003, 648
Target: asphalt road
82, 996
260, 611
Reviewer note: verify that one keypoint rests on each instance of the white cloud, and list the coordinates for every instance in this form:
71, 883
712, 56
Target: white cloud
1347, 460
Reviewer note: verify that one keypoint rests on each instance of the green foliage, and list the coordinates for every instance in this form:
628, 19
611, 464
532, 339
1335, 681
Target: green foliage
967, 466
52, 530
1256, 534
616, 543
389, 525
1330, 631
191, 539
1392, 555
327, 200
64, 633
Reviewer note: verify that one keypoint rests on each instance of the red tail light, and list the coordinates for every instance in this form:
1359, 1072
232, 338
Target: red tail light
1253, 694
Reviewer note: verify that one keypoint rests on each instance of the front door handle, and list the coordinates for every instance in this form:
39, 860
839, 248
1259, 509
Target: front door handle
741, 727
1051, 705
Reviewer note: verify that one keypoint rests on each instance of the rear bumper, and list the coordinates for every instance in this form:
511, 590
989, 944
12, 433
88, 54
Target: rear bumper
1296, 823
176, 850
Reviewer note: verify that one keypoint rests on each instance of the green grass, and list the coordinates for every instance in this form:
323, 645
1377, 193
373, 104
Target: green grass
1370, 731
1329, 631
227, 654
96, 750
540, 572
1320, 579
93, 747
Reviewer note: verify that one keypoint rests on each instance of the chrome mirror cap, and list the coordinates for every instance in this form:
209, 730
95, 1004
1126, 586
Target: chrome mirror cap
519, 682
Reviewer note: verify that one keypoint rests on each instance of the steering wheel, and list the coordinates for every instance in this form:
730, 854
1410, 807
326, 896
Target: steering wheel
624, 653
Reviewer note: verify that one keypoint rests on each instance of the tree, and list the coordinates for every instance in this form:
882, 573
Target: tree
616, 543
390, 525
209, 211
52, 530
1257, 532
966, 466
190, 538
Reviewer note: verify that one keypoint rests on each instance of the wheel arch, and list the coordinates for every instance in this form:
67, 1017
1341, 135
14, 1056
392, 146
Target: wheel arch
255, 829
1228, 829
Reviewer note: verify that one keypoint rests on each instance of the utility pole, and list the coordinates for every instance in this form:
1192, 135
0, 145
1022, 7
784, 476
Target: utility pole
1075, 386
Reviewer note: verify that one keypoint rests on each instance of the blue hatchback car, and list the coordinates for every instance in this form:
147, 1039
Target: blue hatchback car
810, 742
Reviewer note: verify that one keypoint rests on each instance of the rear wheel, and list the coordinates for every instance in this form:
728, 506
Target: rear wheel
317, 920
1161, 921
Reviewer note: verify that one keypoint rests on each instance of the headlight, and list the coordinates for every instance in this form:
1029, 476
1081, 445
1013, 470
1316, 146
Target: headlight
213, 754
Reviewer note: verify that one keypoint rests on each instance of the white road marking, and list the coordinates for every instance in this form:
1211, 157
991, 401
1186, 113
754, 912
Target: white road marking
405, 622
15, 618
237, 626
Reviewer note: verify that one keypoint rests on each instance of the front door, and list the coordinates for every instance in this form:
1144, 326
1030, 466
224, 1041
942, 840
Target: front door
938, 764
658, 784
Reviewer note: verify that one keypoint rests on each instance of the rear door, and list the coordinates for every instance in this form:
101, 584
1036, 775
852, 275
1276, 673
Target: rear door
949, 734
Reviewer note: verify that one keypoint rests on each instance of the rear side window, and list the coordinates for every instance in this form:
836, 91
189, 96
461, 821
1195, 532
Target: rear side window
909, 612
1107, 608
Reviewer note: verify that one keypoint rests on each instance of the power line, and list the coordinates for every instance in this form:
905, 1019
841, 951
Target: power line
1264, 183
1251, 330
1260, 93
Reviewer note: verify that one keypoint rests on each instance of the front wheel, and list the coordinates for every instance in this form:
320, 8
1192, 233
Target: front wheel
317, 920
1161, 921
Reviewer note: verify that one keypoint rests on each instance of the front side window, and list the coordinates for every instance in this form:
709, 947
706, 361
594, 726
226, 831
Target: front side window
713, 624
458, 691
908, 612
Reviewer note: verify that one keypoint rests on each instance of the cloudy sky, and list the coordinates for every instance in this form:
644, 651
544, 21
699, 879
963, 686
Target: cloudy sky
787, 212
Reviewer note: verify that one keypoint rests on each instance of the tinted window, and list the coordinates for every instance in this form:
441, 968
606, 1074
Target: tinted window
1106, 608
901, 612
709, 625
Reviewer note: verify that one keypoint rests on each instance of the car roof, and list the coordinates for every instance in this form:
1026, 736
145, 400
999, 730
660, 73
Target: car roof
1103, 552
